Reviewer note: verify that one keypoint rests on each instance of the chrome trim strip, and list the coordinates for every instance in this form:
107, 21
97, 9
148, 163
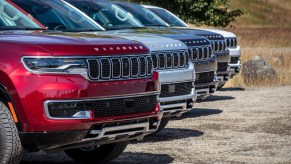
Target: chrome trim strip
46, 103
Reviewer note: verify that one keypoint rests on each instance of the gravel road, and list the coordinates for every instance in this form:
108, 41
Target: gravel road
232, 126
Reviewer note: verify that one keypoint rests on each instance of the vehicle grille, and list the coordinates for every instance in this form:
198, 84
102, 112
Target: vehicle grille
205, 77
231, 42
218, 46
112, 68
200, 53
123, 106
169, 60
222, 67
234, 60
178, 89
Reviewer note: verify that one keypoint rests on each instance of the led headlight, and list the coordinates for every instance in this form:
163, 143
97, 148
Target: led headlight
55, 65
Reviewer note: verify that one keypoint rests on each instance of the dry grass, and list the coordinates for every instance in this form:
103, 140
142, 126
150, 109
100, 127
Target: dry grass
267, 13
273, 45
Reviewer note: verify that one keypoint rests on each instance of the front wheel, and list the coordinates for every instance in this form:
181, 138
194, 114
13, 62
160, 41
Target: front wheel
98, 154
163, 124
10, 145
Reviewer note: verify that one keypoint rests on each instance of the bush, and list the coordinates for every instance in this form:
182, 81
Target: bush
199, 12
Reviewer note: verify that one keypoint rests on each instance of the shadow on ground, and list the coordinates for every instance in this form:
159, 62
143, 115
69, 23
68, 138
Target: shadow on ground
216, 98
141, 158
232, 89
199, 112
126, 157
170, 134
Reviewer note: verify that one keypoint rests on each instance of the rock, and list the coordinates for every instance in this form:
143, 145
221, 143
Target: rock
258, 68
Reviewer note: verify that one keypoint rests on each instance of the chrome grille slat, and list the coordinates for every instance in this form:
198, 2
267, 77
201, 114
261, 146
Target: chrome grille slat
231, 42
200, 53
116, 68
219, 46
170, 59
105, 68
134, 66
123, 67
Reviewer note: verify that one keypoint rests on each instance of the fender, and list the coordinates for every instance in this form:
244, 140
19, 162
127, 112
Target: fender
8, 101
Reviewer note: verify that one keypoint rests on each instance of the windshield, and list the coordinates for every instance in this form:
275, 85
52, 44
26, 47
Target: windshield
169, 17
145, 16
11, 18
58, 15
109, 15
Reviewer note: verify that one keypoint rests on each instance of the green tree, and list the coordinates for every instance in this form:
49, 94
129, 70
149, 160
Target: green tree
199, 12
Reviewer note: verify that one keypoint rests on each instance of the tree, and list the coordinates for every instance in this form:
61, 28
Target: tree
199, 12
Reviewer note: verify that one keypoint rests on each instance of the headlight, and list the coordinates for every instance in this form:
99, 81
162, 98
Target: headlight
55, 65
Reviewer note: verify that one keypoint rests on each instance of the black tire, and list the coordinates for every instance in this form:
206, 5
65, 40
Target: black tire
10, 145
220, 87
163, 124
101, 154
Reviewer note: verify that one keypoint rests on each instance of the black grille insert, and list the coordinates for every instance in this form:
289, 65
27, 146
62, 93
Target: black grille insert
205, 77
177, 89
123, 106
222, 67
234, 60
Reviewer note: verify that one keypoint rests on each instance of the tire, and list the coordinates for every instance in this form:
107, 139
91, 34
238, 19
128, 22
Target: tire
220, 87
10, 145
163, 124
101, 154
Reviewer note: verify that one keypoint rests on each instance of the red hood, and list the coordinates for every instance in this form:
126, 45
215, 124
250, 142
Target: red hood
74, 44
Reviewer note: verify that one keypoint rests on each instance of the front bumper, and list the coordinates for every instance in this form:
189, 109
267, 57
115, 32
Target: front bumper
98, 134
204, 88
175, 106
235, 66
223, 75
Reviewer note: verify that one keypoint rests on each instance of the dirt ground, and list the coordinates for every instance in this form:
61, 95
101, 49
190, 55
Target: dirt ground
233, 126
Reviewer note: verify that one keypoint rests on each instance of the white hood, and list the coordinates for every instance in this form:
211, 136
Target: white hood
225, 34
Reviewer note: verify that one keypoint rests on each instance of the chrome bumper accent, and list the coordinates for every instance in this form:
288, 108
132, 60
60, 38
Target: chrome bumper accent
144, 128
134, 131
177, 75
235, 52
177, 109
211, 88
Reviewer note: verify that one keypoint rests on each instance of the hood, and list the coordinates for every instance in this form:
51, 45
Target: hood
74, 44
189, 40
225, 34
154, 43
204, 33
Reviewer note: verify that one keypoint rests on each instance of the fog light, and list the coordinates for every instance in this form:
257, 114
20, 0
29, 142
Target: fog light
66, 110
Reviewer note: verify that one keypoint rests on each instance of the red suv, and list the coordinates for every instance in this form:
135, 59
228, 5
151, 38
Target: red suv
73, 92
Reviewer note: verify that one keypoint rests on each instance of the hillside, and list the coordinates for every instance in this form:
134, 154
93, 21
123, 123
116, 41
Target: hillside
267, 13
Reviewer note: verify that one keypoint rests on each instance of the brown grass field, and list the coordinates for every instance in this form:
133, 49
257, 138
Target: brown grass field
273, 45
